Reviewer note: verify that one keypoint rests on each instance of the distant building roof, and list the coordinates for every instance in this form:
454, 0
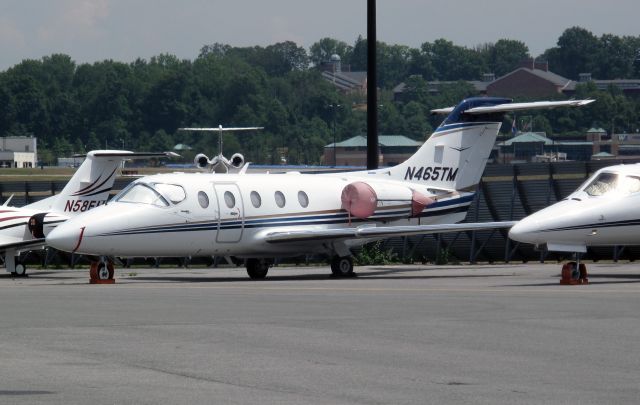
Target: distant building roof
346, 81
596, 131
549, 76
622, 84
383, 140
527, 137
436, 85
182, 146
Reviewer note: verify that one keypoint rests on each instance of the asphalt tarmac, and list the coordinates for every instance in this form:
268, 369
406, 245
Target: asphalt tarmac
487, 334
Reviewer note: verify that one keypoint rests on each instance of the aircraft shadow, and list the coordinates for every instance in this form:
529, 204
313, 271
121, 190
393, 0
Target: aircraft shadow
600, 279
9, 275
382, 274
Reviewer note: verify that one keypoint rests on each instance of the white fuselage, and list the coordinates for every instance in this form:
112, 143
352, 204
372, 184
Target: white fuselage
240, 210
604, 211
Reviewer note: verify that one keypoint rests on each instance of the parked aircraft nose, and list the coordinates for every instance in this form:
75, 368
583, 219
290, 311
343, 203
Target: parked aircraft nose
65, 237
526, 230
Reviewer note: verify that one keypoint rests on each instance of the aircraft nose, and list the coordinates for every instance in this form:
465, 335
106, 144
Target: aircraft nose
65, 237
526, 230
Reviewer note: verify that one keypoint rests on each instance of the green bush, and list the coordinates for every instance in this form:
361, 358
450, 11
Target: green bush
374, 254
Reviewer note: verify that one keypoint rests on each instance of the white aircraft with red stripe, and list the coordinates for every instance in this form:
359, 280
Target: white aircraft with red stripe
603, 211
24, 228
258, 217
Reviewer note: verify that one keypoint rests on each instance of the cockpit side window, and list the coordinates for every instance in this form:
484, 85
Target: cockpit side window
141, 193
630, 184
172, 192
604, 183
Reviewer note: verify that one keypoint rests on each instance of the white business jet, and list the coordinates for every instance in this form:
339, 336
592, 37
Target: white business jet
603, 211
219, 163
262, 216
24, 228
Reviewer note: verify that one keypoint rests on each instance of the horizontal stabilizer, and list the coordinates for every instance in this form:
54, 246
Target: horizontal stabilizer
379, 232
535, 105
222, 129
446, 110
128, 154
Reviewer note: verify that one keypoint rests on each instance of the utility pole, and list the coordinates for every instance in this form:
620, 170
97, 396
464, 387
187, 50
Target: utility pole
372, 88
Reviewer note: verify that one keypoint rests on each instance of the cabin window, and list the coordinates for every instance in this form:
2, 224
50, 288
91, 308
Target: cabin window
280, 200
256, 200
171, 192
229, 199
303, 199
203, 199
143, 194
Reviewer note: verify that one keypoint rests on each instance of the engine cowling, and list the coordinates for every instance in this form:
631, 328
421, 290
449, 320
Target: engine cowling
36, 225
237, 160
361, 199
201, 161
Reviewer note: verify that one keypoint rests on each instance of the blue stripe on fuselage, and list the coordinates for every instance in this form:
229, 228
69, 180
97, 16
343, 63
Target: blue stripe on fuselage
435, 209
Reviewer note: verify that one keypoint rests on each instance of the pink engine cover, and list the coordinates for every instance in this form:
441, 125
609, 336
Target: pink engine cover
418, 202
359, 199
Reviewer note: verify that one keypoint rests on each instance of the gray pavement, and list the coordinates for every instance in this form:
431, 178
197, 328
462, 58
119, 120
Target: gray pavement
487, 334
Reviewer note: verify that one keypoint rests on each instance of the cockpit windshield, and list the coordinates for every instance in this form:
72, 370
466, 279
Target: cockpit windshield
612, 183
152, 194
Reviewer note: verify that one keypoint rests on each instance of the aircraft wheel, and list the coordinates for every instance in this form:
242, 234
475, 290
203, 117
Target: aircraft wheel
342, 266
256, 269
20, 270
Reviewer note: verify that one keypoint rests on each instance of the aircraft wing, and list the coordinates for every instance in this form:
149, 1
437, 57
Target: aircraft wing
8, 242
378, 232
535, 105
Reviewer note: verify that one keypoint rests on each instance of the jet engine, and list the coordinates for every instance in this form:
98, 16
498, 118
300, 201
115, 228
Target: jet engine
201, 161
361, 199
218, 164
237, 160
36, 225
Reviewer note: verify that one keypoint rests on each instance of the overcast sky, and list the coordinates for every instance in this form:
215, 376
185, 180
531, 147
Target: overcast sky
91, 30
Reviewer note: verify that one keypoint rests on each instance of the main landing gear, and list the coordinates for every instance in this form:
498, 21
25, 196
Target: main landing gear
101, 272
342, 266
14, 265
257, 269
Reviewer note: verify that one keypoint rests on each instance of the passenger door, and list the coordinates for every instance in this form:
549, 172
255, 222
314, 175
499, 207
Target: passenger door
231, 219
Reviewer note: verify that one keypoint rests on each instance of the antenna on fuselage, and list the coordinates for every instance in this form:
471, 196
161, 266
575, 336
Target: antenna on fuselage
220, 164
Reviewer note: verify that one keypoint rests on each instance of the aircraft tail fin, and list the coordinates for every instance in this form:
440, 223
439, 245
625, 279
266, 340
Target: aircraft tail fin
455, 155
89, 187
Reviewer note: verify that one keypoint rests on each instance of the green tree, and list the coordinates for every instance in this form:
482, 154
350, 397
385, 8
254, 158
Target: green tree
575, 53
505, 55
